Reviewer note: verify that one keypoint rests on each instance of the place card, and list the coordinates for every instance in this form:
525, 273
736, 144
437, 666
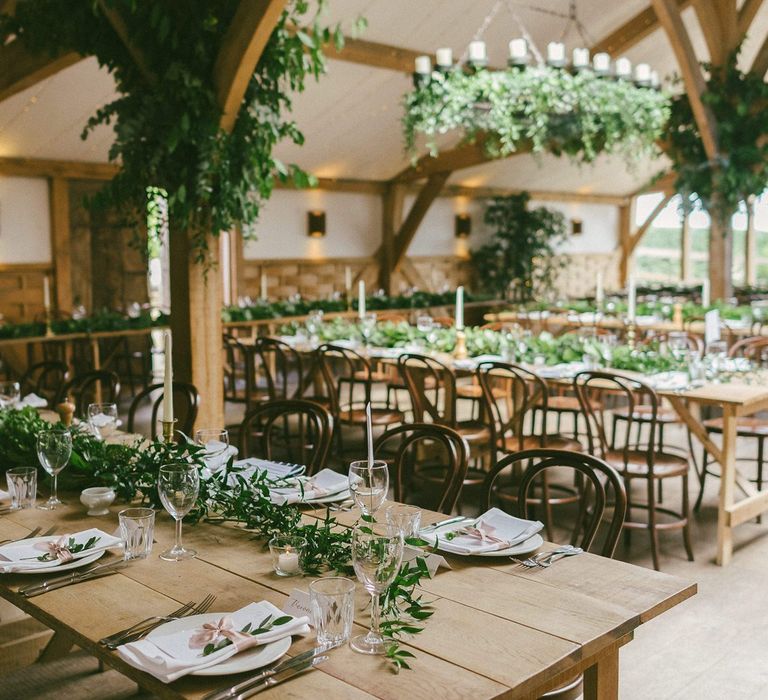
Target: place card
711, 326
432, 560
298, 605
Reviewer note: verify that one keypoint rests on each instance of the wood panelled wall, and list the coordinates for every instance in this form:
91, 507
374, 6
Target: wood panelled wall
21, 291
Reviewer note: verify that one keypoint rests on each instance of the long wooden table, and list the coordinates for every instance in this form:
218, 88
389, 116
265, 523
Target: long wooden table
499, 631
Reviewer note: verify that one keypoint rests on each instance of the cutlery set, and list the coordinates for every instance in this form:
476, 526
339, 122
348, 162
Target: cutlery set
543, 560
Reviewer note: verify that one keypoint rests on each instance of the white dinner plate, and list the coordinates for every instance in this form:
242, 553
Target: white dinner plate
248, 660
333, 498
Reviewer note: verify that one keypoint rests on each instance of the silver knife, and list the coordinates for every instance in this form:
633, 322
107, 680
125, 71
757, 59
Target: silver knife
232, 691
282, 676
440, 524
62, 581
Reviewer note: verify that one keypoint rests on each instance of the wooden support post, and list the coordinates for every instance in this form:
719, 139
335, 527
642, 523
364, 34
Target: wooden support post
720, 255
686, 263
750, 247
196, 300
236, 263
625, 241
60, 242
392, 215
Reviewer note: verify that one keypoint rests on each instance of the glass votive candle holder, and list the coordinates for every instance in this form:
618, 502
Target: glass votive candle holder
22, 487
405, 519
287, 552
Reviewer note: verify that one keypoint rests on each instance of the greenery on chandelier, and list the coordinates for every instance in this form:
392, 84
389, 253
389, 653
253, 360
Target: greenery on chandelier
519, 262
167, 117
737, 101
542, 108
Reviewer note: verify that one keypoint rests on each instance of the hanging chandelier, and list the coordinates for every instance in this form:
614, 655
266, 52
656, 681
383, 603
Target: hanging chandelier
581, 108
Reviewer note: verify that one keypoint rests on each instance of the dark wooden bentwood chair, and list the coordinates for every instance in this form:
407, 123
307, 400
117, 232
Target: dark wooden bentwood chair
45, 379
289, 430
637, 462
346, 375
281, 367
186, 402
525, 398
84, 389
755, 427
426, 453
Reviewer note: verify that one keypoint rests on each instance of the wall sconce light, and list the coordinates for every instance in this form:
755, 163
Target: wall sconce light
316, 224
577, 228
462, 225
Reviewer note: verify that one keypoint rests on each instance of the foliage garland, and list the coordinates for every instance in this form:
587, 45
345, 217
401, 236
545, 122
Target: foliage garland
550, 109
738, 102
167, 117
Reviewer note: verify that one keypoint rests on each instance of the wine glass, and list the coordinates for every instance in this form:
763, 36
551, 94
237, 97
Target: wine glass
178, 486
216, 443
9, 394
314, 324
677, 342
54, 448
367, 326
369, 485
102, 417
376, 560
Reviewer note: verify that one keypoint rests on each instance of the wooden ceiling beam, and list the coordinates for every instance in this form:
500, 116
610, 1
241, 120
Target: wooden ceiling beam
377, 187
668, 12
240, 52
729, 24
375, 55
21, 69
760, 64
747, 15
463, 156
118, 24
632, 31
539, 195
72, 170
712, 29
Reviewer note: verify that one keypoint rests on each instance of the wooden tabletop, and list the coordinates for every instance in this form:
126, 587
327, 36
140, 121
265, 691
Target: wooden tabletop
498, 630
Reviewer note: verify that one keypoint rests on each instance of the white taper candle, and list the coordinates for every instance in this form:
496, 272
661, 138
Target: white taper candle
459, 308
168, 378
361, 299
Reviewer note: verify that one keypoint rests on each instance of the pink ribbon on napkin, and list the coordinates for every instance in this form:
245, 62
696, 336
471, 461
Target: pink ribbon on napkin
482, 532
56, 550
212, 633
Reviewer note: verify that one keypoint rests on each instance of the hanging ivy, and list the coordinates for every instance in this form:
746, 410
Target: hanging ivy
166, 117
547, 109
737, 101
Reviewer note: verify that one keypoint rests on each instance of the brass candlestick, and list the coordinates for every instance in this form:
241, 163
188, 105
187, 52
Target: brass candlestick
460, 349
631, 330
677, 316
48, 330
168, 430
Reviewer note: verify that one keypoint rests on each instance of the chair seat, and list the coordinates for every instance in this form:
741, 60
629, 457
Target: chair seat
642, 414
376, 376
475, 391
554, 442
664, 464
473, 431
746, 426
379, 416
568, 404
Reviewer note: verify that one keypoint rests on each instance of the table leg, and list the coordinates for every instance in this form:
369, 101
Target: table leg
59, 646
727, 487
601, 680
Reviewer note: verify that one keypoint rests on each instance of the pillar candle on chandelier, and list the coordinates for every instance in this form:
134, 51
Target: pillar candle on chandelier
444, 58
601, 63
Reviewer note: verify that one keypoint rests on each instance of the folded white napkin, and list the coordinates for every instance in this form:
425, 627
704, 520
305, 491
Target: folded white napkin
23, 555
275, 470
669, 381
325, 483
32, 400
170, 656
492, 531
561, 371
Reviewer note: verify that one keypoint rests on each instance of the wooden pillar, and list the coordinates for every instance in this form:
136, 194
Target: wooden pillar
720, 254
196, 301
625, 242
750, 248
60, 242
236, 263
392, 215
686, 263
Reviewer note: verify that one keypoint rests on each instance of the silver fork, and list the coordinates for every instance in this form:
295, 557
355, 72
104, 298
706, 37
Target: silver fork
32, 533
147, 621
202, 607
538, 559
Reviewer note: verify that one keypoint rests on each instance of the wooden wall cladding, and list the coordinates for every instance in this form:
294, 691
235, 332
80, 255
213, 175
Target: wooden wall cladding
21, 291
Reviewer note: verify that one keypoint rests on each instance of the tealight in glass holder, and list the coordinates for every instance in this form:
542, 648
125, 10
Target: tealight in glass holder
287, 553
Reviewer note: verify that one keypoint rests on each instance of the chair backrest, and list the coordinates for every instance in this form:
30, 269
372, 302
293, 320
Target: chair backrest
281, 366
754, 349
416, 444
45, 379
693, 342
444, 321
342, 369
84, 389
186, 402
523, 391
592, 387
234, 354
290, 430
432, 388
599, 475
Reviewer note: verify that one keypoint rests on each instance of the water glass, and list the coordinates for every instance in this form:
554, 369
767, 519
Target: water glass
54, 448
368, 485
367, 327
314, 323
102, 417
137, 529
22, 487
287, 552
424, 324
332, 601
10, 392
376, 560
178, 486
717, 353
216, 443
404, 519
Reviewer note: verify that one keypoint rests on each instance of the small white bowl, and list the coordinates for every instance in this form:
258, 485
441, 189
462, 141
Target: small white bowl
98, 499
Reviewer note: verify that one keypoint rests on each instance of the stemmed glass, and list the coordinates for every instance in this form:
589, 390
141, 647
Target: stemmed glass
178, 486
677, 342
367, 326
376, 560
369, 485
102, 417
216, 443
9, 394
314, 323
54, 448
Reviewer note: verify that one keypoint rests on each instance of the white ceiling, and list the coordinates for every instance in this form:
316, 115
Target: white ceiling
351, 118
